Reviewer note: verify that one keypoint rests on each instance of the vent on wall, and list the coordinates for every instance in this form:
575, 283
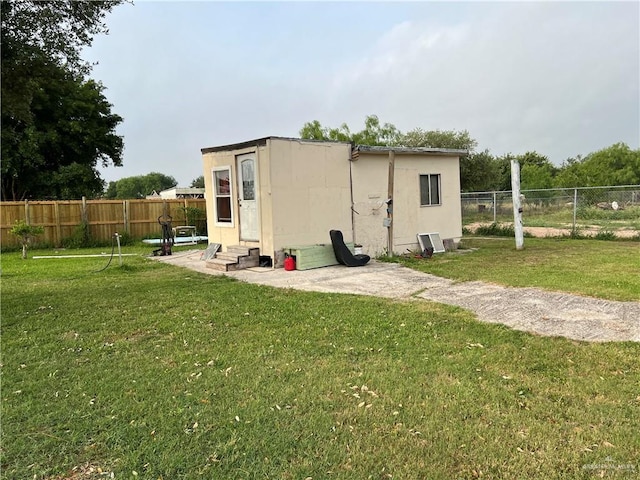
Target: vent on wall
431, 240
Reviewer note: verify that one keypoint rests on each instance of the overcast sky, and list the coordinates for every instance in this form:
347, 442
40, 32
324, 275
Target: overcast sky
559, 78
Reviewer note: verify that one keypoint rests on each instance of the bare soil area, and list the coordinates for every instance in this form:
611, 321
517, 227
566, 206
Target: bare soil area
559, 232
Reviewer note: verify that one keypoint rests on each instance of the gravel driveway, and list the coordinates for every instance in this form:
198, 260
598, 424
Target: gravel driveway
528, 309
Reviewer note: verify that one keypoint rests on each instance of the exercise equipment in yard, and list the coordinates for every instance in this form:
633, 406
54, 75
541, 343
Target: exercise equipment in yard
167, 236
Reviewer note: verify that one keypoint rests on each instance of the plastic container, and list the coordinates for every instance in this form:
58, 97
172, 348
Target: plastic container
289, 262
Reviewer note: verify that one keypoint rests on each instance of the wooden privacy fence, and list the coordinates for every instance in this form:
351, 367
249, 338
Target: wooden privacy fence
60, 219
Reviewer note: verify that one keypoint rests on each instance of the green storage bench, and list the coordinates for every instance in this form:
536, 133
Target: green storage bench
314, 256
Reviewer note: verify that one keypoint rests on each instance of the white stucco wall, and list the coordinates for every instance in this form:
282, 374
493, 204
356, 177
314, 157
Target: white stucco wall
310, 191
370, 190
303, 192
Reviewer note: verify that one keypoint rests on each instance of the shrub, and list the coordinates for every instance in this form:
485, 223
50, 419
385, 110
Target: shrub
605, 235
81, 237
26, 233
596, 213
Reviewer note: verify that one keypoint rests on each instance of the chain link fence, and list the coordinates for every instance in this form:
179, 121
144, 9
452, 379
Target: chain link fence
562, 211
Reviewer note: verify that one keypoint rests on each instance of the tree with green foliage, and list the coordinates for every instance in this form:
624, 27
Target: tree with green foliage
198, 182
387, 134
56, 125
536, 171
57, 29
26, 233
373, 133
617, 164
139, 186
476, 171
479, 172
535, 177
55, 152
439, 139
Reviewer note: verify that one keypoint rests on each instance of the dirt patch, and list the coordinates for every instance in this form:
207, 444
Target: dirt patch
590, 231
85, 472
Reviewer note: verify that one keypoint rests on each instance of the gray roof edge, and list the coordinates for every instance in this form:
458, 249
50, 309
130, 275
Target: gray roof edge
258, 142
410, 150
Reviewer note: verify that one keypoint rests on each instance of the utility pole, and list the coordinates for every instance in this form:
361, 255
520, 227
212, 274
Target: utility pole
389, 220
517, 204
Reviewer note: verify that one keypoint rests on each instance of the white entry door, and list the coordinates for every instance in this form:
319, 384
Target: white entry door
247, 197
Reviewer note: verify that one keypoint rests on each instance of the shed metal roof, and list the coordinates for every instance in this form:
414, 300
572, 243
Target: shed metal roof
408, 150
259, 142
356, 149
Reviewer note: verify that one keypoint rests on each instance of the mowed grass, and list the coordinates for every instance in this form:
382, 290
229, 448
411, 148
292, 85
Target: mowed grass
152, 371
596, 268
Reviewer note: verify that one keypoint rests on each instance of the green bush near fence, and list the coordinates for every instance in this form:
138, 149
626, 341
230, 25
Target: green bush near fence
595, 213
498, 230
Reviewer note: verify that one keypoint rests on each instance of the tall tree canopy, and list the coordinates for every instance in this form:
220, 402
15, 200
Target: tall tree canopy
140, 186
536, 171
481, 171
56, 125
439, 139
614, 165
375, 133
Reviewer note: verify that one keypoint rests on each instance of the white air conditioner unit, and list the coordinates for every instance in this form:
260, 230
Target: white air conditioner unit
431, 240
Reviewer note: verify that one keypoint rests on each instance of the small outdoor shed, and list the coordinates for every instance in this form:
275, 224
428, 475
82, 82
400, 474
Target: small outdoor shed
275, 192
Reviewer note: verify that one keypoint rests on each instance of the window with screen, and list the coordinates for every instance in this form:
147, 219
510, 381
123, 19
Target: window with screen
430, 190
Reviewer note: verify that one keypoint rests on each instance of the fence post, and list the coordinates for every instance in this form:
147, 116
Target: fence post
575, 208
125, 215
27, 220
84, 215
56, 211
495, 207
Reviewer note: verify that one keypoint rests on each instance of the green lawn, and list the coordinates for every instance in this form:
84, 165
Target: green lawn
604, 269
151, 371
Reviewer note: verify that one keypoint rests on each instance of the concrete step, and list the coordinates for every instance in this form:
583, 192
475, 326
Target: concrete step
246, 262
230, 256
221, 265
243, 250
237, 257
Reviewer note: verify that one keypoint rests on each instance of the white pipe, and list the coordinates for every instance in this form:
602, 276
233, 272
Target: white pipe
119, 251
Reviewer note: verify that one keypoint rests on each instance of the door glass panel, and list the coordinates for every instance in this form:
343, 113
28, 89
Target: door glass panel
248, 180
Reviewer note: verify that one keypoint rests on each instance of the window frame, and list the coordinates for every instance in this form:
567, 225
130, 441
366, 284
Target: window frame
429, 193
216, 196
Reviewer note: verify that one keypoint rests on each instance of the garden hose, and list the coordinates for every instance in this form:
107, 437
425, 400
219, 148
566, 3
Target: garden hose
113, 247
